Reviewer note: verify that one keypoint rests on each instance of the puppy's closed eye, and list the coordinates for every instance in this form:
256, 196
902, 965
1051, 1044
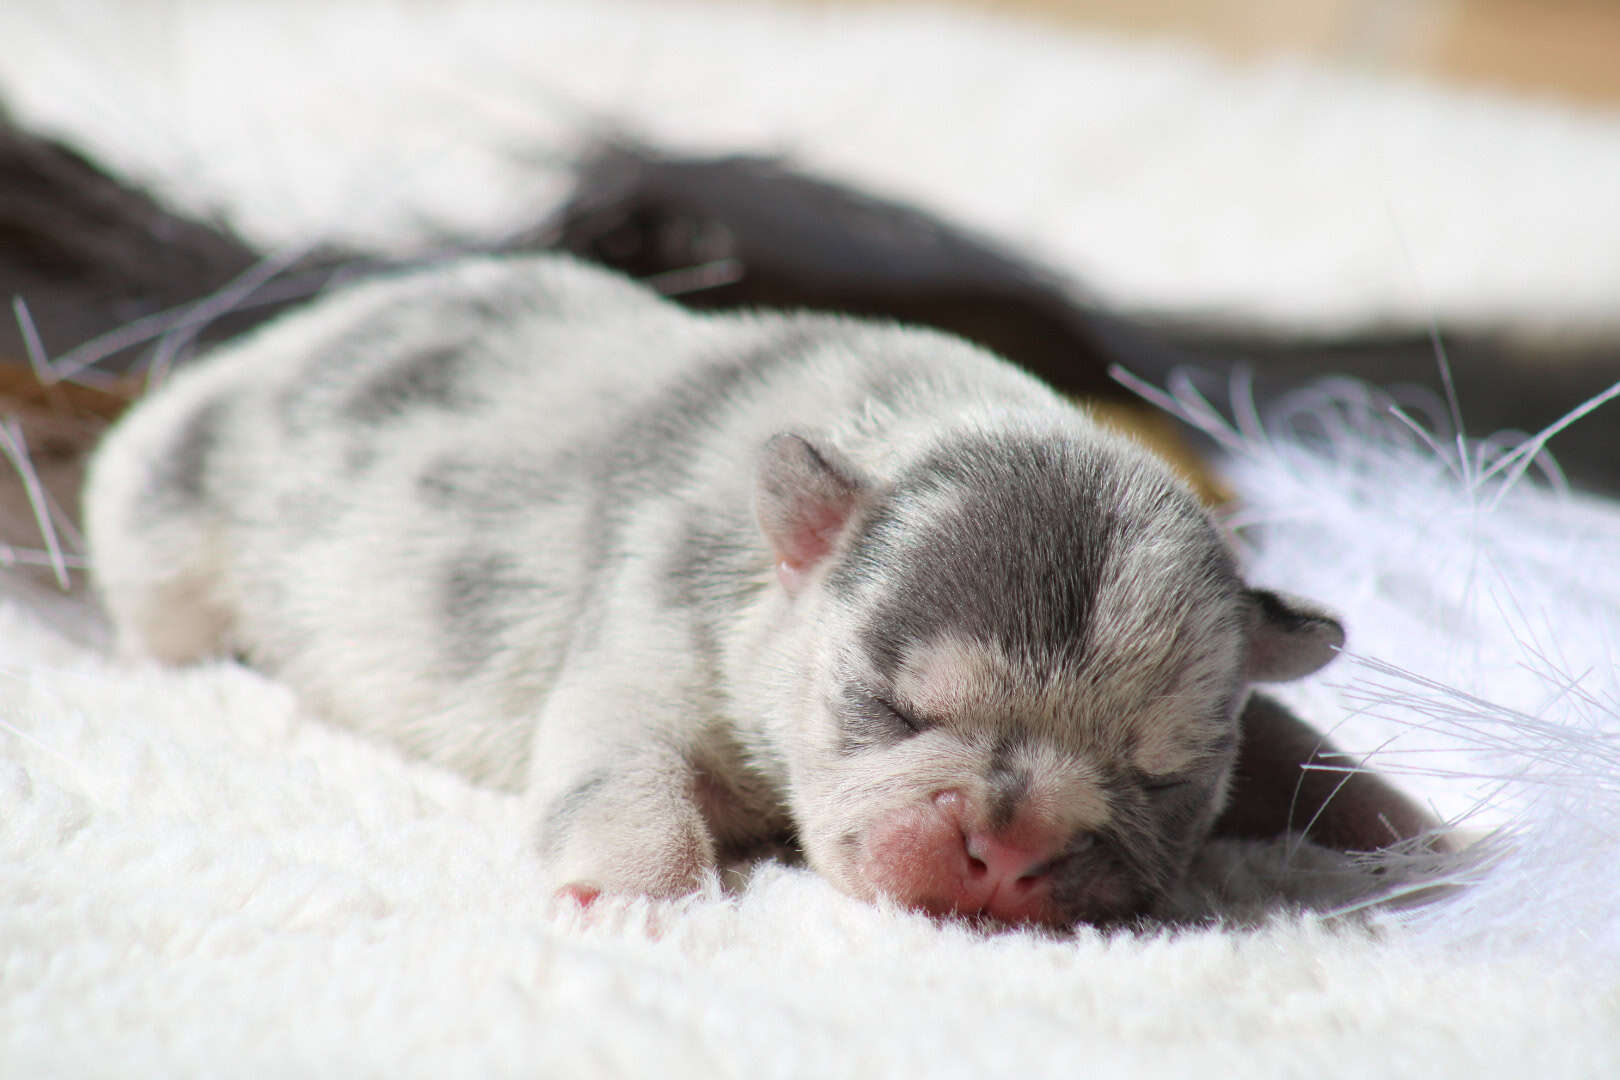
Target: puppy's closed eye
909, 721
1163, 785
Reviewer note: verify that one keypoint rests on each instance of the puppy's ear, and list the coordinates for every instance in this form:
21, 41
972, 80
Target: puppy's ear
1273, 792
1288, 637
804, 498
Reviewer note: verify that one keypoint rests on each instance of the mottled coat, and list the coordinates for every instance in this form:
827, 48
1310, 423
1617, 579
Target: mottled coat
698, 582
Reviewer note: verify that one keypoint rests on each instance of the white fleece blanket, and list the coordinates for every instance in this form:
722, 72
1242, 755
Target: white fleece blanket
198, 879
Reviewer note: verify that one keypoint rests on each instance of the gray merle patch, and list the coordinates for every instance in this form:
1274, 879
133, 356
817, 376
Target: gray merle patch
651, 448
557, 818
427, 378
1008, 783
1021, 560
481, 597
1019, 563
181, 473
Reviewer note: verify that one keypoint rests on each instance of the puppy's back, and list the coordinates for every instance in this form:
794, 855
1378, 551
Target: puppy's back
409, 499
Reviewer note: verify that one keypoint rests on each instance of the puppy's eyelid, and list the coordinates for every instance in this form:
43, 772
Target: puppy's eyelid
906, 718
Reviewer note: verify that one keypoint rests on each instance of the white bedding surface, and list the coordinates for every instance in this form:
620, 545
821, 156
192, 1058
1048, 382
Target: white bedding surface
197, 878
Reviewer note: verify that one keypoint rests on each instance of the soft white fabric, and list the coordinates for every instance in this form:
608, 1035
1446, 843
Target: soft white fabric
196, 878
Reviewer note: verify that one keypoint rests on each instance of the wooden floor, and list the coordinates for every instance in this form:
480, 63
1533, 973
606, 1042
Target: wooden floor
1564, 49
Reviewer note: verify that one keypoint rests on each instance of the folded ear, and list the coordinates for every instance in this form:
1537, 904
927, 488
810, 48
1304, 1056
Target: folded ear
1273, 793
804, 499
1288, 637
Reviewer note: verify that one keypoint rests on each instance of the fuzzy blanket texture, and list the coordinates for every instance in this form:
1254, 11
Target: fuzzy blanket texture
197, 878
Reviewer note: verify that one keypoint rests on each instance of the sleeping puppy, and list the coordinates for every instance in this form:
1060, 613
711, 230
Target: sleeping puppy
697, 582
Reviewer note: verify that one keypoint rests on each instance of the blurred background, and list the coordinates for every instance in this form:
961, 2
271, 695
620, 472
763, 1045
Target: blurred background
1563, 49
1510, 376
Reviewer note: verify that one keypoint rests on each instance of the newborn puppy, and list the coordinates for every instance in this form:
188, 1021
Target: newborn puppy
695, 582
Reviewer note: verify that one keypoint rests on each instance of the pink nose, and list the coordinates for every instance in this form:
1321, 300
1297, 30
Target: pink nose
1002, 873
996, 862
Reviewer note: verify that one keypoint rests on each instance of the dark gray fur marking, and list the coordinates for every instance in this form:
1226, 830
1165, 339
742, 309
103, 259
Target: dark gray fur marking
446, 481
480, 600
368, 374
1286, 617
490, 304
181, 473
651, 454
715, 563
1107, 882
653, 447
1021, 562
334, 365
559, 815
1148, 836
708, 573
1018, 565
1008, 783
864, 723
358, 457
424, 378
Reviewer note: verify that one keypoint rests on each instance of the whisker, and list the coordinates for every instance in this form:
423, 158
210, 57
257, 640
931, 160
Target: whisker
15, 447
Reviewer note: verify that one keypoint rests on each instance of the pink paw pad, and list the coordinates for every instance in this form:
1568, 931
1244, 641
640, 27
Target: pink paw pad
582, 895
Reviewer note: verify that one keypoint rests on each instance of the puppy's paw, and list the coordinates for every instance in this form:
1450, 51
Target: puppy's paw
624, 833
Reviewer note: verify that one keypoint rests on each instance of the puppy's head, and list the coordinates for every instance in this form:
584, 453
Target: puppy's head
1029, 655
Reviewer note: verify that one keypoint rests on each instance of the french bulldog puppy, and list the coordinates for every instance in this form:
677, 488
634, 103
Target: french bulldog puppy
697, 582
